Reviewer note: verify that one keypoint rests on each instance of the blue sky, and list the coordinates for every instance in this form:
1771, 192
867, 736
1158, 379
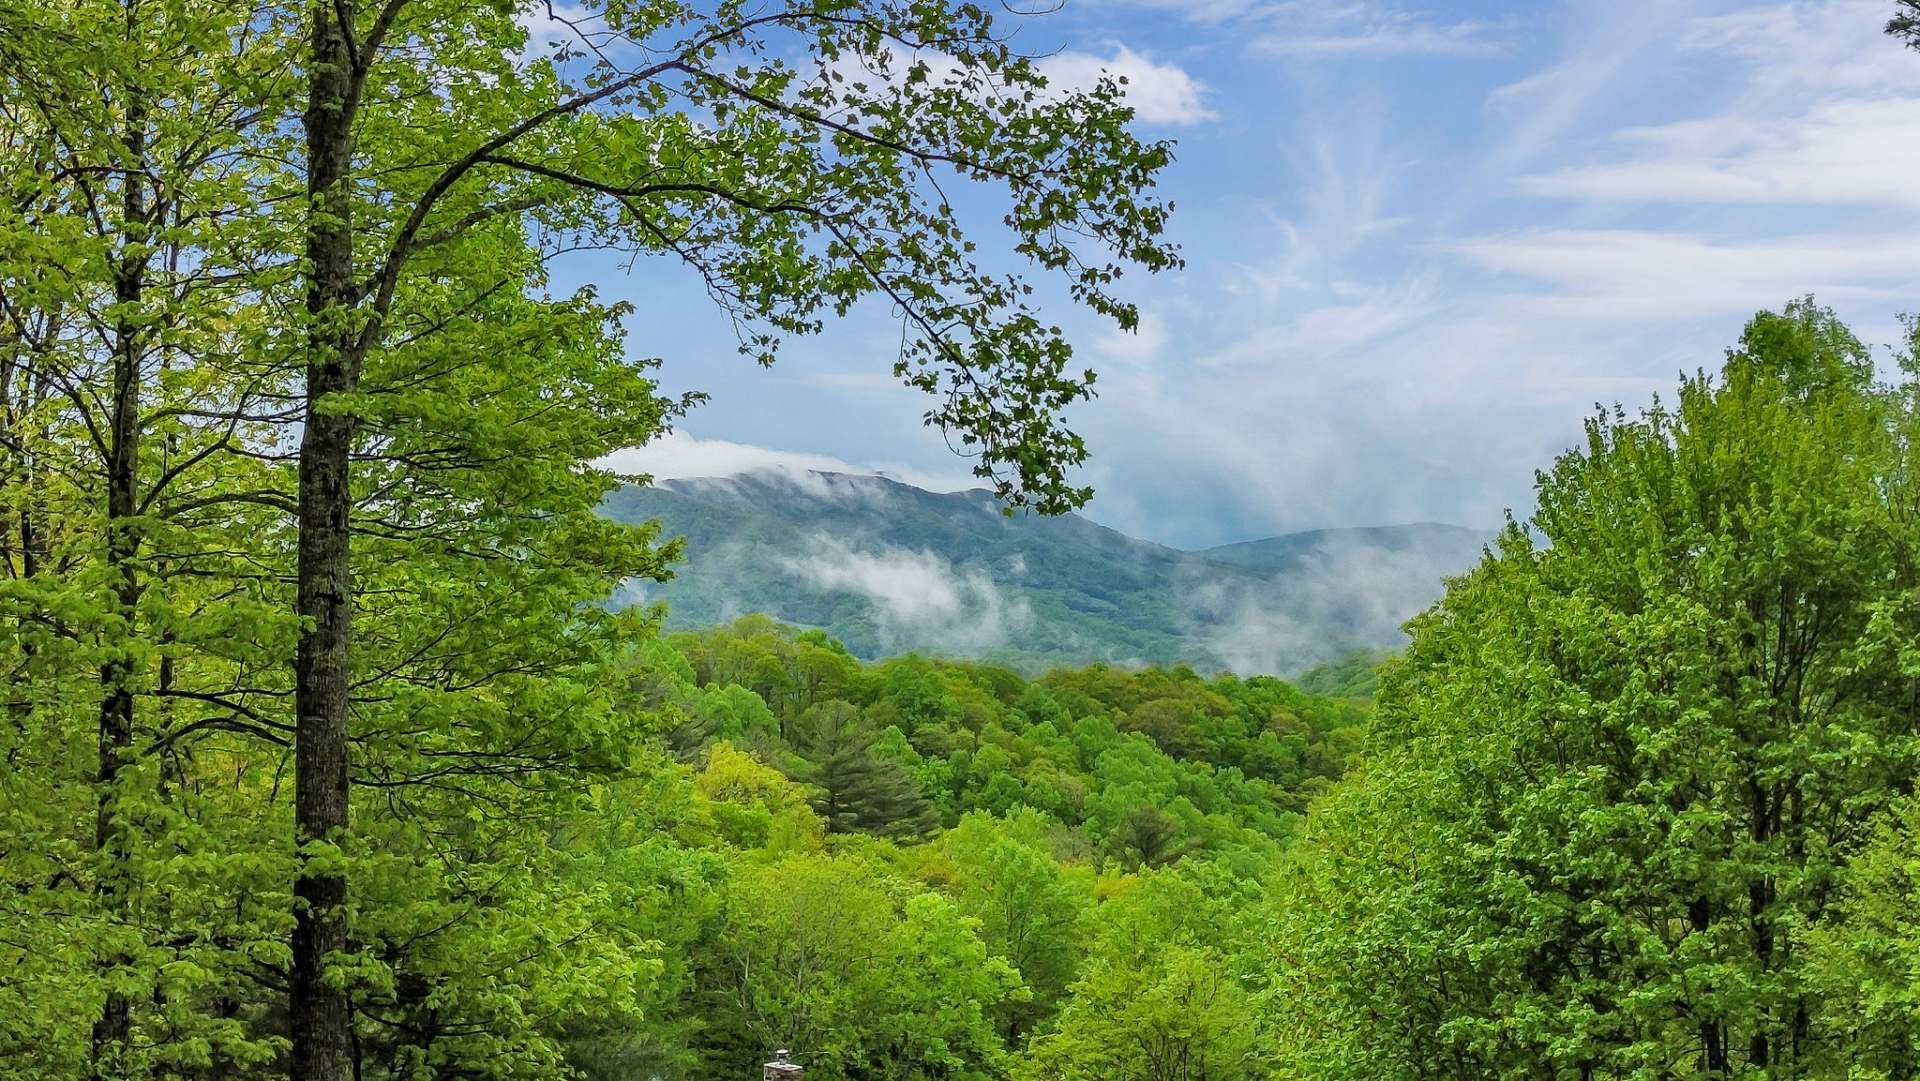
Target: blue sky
1422, 242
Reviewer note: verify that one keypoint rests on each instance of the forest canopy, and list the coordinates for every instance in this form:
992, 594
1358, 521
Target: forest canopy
307, 670
1637, 800
327, 754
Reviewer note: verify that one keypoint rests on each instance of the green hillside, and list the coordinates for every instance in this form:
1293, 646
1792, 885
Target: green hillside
889, 568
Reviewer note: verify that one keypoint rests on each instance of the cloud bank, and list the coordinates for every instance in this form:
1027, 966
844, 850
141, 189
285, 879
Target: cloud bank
919, 599
1336, 598
680, 455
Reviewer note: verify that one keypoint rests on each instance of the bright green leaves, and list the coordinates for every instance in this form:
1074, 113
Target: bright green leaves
1806, 347
171, 273
1621, 770
1861, 963
798, 188
826, 957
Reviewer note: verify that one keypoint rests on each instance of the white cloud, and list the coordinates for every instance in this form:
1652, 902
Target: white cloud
1370, 29
1336, 329
1345, 181
677, 455
1863, 152
1830, 45
1142, 345
1611, 48
1338, 27
1637, 274
1211, 12
1158, 93
1412, 402
919, 599
558, 28
1826, 111
1458, 39
1341, 593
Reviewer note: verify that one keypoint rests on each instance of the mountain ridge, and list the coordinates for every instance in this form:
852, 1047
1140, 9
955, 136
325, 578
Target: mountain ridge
888, 567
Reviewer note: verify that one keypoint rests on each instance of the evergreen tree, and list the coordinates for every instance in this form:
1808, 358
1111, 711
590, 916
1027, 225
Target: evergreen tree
854, 787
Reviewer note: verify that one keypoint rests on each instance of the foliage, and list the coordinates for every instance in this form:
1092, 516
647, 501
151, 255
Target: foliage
1161, 996
934, 868
310, 682
1861, 962
1356, 675
1620, 773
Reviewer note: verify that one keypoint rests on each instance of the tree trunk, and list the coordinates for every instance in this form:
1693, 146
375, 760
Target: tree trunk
113, 1028
318, 1009
1713, 1036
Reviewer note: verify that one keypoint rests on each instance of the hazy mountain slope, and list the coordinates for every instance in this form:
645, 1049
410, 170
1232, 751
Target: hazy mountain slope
888, 567
1449, 543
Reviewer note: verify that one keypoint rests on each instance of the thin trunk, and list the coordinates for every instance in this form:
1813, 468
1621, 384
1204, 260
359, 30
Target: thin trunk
12, 350
1759, 918
1713, 1037
34, 388
319, 1009
113, 1029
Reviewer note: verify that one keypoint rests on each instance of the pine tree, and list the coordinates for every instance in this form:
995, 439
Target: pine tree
853, 787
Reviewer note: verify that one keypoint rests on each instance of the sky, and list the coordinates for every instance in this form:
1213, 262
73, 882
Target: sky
1423, 241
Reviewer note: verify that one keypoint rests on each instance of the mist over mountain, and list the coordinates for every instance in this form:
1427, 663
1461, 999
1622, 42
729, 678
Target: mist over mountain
887, 568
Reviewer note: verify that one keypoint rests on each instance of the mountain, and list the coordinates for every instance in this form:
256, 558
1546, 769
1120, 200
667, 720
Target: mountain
1291, 551
887, 567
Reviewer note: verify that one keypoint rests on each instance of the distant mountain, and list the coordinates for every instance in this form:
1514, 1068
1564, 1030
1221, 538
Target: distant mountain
887, 567
1292, 550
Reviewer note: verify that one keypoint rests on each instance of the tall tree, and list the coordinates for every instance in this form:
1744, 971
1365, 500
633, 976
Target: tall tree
120, 316
1622, 769
803, 187
854, 787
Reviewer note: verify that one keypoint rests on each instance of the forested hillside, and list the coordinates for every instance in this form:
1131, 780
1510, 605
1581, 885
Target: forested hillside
923, 868
332, 747
886, 568
325, 756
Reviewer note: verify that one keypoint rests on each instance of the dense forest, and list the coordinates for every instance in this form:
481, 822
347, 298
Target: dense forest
329, 754
904, 869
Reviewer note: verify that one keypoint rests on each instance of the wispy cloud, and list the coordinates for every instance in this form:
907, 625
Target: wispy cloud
1335, 28
1814, 109
1609, 49
1629, 274
1858, 152
1387, 33
1825, 112
919, 599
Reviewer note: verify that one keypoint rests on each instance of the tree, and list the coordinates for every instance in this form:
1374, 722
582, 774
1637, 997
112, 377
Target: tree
802, 189
872, 979
1030, 911
1905, 23
125, 292
1861, 963
854, 788
756, 806
1620, 771
1159, 997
